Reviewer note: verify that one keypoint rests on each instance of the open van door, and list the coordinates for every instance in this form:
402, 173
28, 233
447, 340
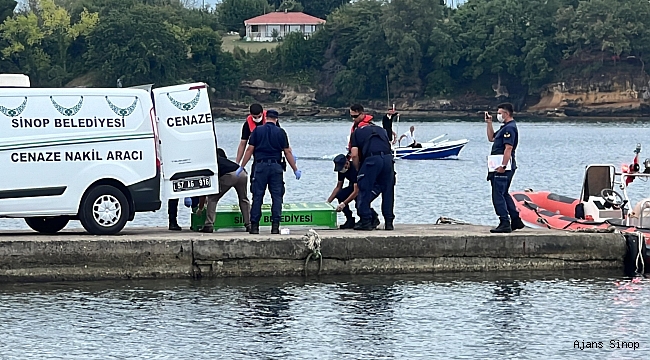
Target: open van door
188, 141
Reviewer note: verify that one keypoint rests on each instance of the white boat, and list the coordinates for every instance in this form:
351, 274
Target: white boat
431, 150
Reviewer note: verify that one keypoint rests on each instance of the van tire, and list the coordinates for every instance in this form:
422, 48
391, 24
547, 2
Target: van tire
104, 210
47, 225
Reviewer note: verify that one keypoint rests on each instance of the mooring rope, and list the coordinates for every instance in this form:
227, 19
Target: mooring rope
639, 254
313, 240
448, 220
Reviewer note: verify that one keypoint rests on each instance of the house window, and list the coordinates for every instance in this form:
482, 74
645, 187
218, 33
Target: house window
270, 28
293, 28
255, 28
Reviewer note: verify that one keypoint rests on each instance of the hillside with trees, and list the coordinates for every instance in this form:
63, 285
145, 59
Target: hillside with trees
426, 49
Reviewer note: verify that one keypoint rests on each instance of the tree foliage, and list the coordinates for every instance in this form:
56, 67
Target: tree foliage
422, 47
232, 13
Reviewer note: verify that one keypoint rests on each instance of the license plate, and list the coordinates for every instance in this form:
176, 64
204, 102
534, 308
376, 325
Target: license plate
192, 184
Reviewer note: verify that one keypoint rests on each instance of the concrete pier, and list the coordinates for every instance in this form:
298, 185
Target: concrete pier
139, 253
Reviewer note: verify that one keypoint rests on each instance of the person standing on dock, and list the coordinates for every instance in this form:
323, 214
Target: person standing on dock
371, 154
266, 145
257, 117
228, 179
504, 142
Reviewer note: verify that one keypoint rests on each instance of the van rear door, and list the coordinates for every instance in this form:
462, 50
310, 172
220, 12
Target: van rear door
188, 141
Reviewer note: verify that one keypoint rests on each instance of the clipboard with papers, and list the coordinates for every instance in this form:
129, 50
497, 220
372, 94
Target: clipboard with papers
494, 161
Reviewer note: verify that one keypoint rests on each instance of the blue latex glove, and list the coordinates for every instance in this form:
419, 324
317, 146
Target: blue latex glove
238, 172
187, 201
298, 174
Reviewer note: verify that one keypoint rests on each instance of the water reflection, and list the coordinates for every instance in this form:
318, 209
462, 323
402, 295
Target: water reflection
265, 307
474, 316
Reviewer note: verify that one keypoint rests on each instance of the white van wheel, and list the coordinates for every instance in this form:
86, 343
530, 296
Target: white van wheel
47, 225
104, 210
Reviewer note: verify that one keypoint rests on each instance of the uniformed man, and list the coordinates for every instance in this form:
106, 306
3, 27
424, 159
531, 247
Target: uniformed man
228, 178
504, 142
256, 118
371, 155
345, 195
266, 145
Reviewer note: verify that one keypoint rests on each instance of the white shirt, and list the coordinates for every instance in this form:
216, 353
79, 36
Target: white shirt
410, 138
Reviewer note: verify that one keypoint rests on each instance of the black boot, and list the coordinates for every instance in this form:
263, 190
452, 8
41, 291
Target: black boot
504, 227
275, 228
207, 229
389, 225
517, 224
365, 225
255, 228
173, 226
375, 221
349, 224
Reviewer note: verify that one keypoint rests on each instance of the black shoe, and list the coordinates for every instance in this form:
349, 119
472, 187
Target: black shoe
504, 227
364, 225
173, 226
389, 225
349, 224
255, 229
375, 222
275, 228
207, 229
517, 224
248, 228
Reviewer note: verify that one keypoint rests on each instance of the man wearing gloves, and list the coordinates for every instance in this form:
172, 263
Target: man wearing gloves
266, 145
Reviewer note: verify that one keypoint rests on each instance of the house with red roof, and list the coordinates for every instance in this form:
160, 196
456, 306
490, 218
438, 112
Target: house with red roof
263, 27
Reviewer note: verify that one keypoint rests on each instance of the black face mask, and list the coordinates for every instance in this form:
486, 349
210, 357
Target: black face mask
354, 116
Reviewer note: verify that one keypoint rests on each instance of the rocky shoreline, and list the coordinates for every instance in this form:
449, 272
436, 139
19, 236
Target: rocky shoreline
615, 96
240, 110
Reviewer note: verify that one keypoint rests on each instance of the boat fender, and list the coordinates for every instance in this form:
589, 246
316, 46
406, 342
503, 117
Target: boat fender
636, 255
580, 211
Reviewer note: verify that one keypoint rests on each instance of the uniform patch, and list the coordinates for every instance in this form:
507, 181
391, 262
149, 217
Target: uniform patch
506, 135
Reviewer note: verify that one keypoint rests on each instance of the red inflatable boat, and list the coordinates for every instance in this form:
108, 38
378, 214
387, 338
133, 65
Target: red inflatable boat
599, 205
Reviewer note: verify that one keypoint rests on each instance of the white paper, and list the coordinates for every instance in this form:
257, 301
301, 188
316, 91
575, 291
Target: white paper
494, 161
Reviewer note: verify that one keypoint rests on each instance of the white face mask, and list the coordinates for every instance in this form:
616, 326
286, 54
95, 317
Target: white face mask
344, 170
257, 120
500, 118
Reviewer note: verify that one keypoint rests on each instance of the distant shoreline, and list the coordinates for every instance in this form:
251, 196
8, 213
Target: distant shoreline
291, 111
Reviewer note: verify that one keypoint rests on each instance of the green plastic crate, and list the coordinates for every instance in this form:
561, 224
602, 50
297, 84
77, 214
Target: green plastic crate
314, 215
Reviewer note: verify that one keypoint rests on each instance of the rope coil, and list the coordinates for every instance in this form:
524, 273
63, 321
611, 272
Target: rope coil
312, 241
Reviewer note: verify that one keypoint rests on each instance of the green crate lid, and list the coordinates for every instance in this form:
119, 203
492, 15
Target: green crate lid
316, 215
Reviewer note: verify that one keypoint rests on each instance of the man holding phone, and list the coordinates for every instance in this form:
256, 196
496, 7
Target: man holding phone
504, 142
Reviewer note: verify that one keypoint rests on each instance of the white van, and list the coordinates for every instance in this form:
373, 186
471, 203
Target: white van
97, 155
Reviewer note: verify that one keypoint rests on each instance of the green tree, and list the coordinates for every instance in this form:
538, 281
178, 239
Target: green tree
24, 37
492, 38
139, 46
56, 23
409, 26
208, 63
7, 8
291, 5
356, 52
232, 13
322, 8
603, 28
